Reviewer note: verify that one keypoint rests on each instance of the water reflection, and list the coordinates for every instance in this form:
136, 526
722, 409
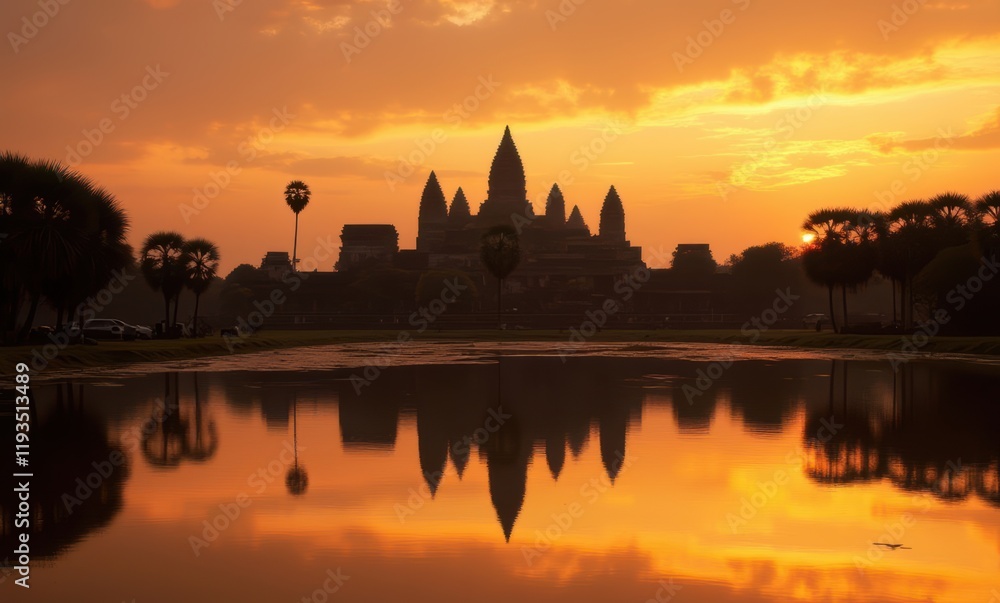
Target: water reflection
297, 480
504, 411
185, 431
481, 432
79, 476
933, 431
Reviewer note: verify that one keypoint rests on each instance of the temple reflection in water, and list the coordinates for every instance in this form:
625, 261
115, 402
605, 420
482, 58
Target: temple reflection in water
926, 428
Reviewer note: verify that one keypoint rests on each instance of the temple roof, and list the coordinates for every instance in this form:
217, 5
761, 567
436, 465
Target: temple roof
460, 211
555, 206
507, 179
576, 220
433, 207
613, 217
613, 203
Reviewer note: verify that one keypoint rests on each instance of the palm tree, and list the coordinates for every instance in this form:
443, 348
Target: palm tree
106, 251
824, 259
953, 218
162, 263
906, 246
201, 268
988, 208
64, 239
860, 252
45, 207
297, 197
13, 172
500, 252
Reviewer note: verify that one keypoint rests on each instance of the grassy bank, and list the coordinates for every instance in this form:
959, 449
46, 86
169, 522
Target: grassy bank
119, 353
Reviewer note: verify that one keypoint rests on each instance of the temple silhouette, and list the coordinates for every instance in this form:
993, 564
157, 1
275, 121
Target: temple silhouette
556, 249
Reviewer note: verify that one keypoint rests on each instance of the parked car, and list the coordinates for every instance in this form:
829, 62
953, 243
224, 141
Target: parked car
140, 331
107, 328
814, 321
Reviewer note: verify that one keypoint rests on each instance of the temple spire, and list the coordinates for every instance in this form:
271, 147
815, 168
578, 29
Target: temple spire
459, 214
508, 192
576, 222
507, 181
433, 215
555, 208
613, 218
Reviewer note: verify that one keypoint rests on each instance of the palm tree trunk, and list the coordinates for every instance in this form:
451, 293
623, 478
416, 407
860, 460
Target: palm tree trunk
843, 290
166, 311
902, 303
194, 329
295, 245
910, 306
177, 305
10, 318
833, 315
30, 319
893, 303
499, 304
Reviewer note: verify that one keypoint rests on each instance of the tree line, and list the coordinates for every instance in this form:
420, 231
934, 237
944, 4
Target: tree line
924, 248
63, 239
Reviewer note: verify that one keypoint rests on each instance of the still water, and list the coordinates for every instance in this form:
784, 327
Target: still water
491, 474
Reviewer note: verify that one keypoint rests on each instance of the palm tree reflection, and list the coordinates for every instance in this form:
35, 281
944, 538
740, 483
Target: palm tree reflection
175, 431
296, 480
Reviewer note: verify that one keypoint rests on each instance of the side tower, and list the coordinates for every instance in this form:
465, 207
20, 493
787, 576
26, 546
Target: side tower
576, 224
459, 215
433, 219
555, 209
613, 218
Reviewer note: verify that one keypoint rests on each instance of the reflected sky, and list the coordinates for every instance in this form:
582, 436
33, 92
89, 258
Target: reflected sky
597, 479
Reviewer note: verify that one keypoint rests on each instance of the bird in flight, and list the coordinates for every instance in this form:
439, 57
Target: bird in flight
892, 546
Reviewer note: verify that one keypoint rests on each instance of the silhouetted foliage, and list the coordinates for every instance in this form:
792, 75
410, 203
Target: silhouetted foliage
201, 268
64, 240
243, 274
297, 195
759, 271
500, 252
163, 264
929, 250
693, 266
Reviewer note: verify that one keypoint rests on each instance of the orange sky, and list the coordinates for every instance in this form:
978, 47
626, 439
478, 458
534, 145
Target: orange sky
790, 106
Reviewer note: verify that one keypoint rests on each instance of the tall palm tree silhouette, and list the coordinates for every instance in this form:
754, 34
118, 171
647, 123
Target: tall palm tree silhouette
860, 253
823, 259
988, 208
202, 266
101, 253
953, 217
500, 252
908, 247
296, 480
297, 197
162, 262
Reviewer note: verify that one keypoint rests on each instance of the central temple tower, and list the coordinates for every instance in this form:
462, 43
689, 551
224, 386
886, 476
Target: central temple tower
508, 192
